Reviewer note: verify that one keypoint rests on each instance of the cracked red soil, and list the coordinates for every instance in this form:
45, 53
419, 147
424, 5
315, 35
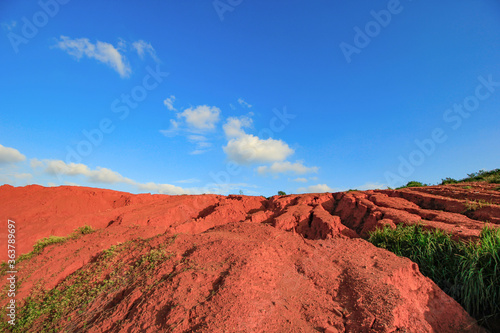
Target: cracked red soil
294, 263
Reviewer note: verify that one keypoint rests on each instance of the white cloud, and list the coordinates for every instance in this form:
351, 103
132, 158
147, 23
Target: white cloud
233, 128
162, 188
104, 175
244, 148
250, 149
320, 188
300, 180
169, 103
243, 103
203, 117
100, 51
193, 122
141, 47
297, 168
10, 155
99, 175
55, 167
372, 186
188, 181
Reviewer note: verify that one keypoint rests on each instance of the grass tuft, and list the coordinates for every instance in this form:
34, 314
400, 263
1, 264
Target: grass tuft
473, 205
467, 271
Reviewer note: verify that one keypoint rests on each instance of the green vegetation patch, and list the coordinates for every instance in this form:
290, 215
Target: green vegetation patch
473, 205
44, 242
53, 310
412, 184
449, 180
492, 176
467, 271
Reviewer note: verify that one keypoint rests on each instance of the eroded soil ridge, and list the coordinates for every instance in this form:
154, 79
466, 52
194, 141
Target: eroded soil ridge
212, 263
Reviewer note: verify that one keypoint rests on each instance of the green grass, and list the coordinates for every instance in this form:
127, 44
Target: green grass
51, 310
467, 271
473, 205
44, 242
153, 258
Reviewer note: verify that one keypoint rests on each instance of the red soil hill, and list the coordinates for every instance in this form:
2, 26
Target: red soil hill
212, 263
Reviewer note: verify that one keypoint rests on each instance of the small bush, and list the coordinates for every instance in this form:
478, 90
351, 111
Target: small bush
467, 271
281, 193
413, 184
448, 180
85, 230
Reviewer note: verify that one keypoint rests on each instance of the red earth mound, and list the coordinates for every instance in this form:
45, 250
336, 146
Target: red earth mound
213, 263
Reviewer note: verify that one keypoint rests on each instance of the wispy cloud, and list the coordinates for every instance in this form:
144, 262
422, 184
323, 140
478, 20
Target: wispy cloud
297, 168
100, 51
143, 47
106, 53
187, 181
169, 103
243, 103
201, 142
371, 186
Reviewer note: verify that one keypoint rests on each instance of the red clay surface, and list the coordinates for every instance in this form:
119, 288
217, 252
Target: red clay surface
295, 263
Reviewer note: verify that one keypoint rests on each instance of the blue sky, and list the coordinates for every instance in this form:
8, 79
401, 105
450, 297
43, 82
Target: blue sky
255, 96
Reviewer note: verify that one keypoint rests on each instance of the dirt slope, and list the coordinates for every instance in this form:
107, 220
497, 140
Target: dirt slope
212, 263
